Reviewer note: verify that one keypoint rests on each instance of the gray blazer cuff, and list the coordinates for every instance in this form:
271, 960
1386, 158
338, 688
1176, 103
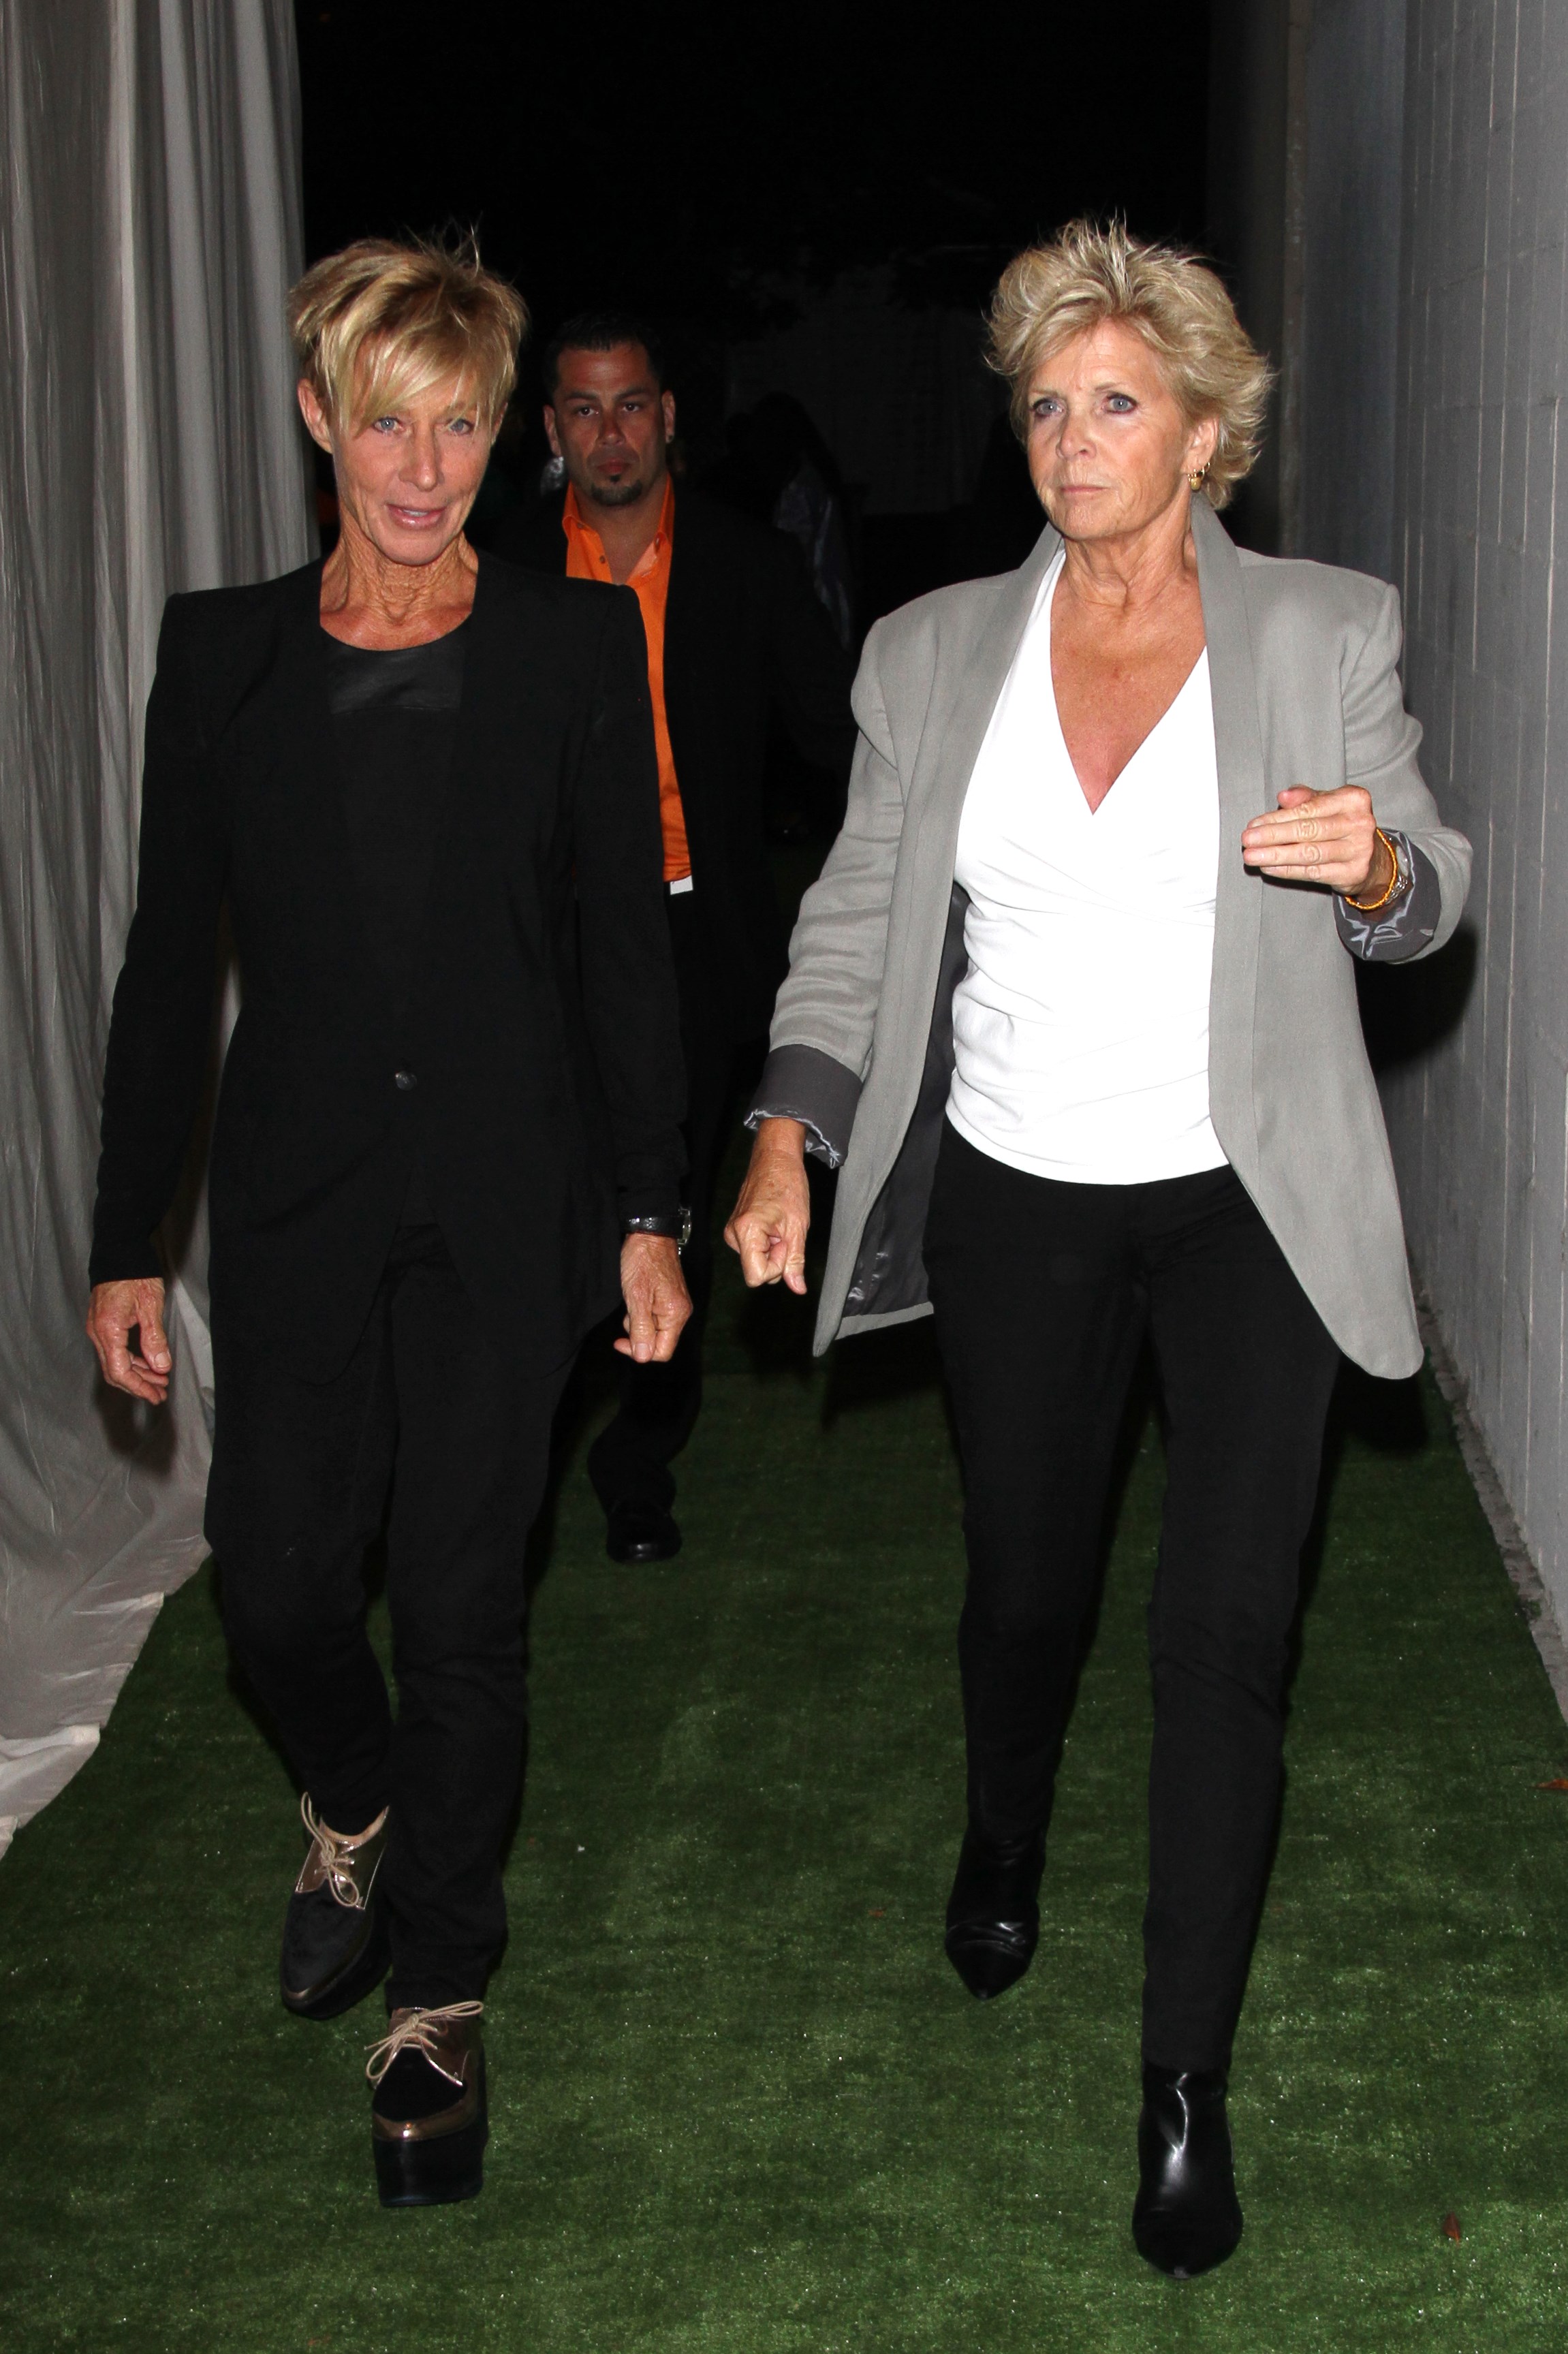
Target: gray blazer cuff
1409, 925
803, 1083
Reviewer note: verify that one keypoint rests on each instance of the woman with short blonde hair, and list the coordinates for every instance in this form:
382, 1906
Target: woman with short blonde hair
424, 784
1073, 1005
1089, 276
380, 323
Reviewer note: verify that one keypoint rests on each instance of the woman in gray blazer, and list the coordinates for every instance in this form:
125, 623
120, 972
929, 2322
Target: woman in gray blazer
1073, 1009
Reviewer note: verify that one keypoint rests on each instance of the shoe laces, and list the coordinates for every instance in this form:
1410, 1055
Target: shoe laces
416, 2032
337, 1851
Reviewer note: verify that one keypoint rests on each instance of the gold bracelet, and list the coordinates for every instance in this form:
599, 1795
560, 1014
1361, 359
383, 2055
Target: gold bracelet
1371, 906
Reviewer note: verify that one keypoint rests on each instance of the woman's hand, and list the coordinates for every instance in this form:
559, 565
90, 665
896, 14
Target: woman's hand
771, 1220
117, 1309
1328, 838
657, 1301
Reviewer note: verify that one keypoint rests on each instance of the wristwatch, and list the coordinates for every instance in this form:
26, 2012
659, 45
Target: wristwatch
678, 1229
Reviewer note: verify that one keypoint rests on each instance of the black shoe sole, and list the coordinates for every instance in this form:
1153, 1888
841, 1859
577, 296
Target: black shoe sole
355, 1980
432, 2173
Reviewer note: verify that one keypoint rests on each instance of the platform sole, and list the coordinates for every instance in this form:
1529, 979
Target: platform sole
355, 1980
432, 2173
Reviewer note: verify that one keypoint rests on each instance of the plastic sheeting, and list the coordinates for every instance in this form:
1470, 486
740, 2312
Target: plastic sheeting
148, 442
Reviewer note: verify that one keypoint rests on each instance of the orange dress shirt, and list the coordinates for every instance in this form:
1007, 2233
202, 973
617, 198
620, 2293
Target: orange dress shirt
586, 561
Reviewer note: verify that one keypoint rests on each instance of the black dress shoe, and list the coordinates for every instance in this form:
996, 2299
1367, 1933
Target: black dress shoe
641, 1533
336, 1944
993, 1913
1186, 2218
429, 2116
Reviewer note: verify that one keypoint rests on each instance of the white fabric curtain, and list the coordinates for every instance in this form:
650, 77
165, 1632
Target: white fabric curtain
148, 442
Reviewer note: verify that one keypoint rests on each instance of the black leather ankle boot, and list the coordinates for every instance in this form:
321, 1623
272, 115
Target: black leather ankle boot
1186, 2218
993, 1913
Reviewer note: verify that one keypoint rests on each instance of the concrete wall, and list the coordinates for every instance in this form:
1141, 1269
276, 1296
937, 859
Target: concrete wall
1434, 340
1256, 201
1480, 512
1355, 115
1424, 367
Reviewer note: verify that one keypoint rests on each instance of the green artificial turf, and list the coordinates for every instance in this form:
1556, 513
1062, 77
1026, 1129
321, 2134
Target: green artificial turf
740, 2103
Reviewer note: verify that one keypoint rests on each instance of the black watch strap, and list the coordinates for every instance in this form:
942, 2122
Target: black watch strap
679, 1229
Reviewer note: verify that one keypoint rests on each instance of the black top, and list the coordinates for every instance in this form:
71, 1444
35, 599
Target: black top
394, 713
394, 723
544, 1085
746, 642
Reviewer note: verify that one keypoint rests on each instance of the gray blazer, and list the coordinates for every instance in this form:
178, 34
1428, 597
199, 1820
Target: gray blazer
1303, 664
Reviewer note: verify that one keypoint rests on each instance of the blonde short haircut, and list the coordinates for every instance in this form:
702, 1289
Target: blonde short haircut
1087, 274
380, 323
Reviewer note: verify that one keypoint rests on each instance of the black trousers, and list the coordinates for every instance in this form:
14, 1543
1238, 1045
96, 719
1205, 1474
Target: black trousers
430, 1412
1042, 1295
657, 1405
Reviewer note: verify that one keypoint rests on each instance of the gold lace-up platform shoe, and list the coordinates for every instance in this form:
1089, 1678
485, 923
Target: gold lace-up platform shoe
336, 1939
428, 2121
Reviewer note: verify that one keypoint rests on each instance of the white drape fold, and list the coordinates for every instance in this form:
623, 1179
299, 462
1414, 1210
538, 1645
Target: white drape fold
148, 443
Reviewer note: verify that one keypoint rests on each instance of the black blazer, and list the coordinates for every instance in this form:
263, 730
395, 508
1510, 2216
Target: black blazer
745, 637
549, 1084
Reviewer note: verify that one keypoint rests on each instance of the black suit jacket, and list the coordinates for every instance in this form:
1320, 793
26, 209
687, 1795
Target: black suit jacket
547, 1086
745, 638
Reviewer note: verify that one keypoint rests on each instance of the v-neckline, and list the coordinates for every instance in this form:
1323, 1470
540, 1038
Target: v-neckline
1092, 810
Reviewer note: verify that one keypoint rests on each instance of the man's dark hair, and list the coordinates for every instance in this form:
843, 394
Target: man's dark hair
601, 331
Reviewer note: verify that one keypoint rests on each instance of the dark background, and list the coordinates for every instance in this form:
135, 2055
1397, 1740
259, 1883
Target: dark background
679, 158
716, 165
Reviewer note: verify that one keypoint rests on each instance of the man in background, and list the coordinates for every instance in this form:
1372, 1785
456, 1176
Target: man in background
736, 637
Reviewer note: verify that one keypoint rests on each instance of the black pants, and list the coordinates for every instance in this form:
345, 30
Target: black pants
429, 1410
1043, 1294
657, 1408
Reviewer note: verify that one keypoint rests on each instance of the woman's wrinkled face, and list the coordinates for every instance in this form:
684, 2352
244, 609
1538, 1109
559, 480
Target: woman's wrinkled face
408, 477
1109, 449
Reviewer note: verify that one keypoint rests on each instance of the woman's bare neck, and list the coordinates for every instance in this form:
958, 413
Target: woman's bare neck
368, 600
1126, 575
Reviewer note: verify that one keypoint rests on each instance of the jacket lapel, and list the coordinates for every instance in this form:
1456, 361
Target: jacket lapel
682, 621
304, 777
968, 674
479, 683
485, 745
1238, 901
694, 619
945, 762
